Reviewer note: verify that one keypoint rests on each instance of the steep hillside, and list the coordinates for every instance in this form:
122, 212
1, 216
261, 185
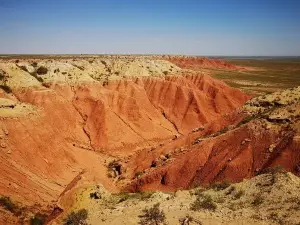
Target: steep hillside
64, 120
264, 134
73, 127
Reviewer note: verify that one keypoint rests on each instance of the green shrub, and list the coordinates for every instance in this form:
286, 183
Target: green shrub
79, 67
145, 195
39, 79
24, 68
42, 70
34, 64
2, 75
34, 74
95, 195
203, 202
153, 216
38, 219
198, 191
220, 186
77, 218
6, 88
123, 196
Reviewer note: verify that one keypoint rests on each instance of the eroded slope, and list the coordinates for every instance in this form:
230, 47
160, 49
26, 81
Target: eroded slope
68, 117
265, 133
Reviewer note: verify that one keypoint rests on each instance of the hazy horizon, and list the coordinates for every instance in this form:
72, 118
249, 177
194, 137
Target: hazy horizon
209, 56
219, 28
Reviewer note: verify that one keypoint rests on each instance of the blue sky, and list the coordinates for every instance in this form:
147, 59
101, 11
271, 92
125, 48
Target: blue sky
193, 27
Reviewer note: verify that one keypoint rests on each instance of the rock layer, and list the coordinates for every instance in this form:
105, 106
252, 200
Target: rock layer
75, 122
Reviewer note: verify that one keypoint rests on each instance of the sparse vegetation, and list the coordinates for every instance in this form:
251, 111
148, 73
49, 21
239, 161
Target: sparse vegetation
258, 200
34, 74
273, 171
198, 191
2, 76
222, 131
165, 72
275, 218
220, 186
145, 195
245, 120
203, 202
279, 73
95, 195
239, 194
296, 203
6, 88
38, 219
230, 190
123, 196
187, 220
42, 70
105, 82
79, 67
138, 174
7, 204
24, 68
77, 218
153, 216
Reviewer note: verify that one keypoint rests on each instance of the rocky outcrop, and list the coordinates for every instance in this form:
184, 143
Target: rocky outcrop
76, 114
195, 62
261, 139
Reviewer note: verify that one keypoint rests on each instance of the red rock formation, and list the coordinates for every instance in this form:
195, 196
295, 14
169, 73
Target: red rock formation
182, 99
193, 62
237, 154
44, 152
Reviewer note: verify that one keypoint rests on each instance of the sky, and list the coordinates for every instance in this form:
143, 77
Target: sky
191, 27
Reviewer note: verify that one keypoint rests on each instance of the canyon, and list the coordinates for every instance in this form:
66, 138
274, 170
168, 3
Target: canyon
133, 124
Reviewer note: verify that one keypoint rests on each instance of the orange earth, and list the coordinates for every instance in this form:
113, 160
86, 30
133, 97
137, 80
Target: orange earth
149, 123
